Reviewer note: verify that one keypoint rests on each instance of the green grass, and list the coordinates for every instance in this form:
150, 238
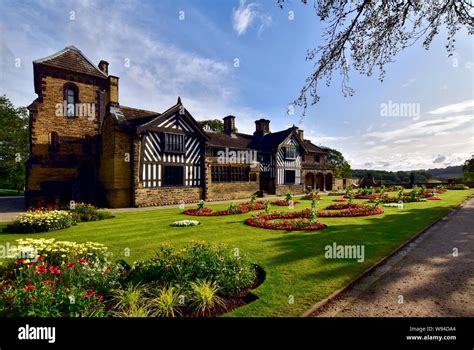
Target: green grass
5, 192
294, 261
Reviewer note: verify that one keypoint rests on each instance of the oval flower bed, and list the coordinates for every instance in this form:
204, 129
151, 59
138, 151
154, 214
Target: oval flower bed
365, 196
283, 203
185, 223
434, 198
360, 210
346, 206
296, 221
239, 209
341, 200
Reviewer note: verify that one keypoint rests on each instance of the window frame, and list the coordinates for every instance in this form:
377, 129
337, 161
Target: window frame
285, 180
75, 90
167, 149
173, 176
291, 156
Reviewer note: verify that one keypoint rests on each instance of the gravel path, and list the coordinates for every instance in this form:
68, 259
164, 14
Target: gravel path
423, 279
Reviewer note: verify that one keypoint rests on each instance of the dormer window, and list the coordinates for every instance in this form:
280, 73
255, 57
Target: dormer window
290, 153
71, 97
174, 143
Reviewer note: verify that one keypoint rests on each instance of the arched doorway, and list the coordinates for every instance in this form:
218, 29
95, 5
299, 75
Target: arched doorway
328, 182
320, 181
309, 180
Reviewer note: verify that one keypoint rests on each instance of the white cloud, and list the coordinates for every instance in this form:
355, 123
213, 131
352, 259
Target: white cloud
246, 14
465, 106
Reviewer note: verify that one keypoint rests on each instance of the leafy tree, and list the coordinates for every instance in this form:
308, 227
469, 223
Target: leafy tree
336, 159
468, 169
215, 124
14, 145
366, 35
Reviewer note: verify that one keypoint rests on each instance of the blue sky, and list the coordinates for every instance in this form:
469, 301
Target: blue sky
194, 57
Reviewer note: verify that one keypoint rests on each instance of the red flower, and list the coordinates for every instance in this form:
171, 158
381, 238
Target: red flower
54, 270
49, 283
29, 287
40, 258
90, 293
70, 265
41, 269
84, 261
99, 297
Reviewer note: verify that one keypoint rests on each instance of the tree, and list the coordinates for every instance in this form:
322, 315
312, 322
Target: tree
468, 169
14, 143
215, 124
337, 160
366, 35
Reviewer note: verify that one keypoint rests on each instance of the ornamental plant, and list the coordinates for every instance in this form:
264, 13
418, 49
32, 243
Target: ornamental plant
200, 205
289, 196
41, 221
87, 212
185, 223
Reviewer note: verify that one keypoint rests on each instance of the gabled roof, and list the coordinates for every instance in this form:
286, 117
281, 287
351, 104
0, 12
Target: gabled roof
168, 113
72, 59
311, 147
271, 141
235, 140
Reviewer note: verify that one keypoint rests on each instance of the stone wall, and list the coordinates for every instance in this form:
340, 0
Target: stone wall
145, 197
281, 190
233, 190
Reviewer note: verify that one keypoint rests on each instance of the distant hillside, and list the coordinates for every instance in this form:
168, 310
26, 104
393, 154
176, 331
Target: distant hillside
397, 177
446, 173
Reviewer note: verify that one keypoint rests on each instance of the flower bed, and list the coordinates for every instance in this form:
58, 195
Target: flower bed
41, 221
346, 206
361, 210
185, 223
311, 196
336, 193
87, 212
283, 203
296, 221
434, 198
340, 200
239, 209
365, 196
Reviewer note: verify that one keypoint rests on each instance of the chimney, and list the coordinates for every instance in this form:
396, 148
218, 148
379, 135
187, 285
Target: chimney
104, 67
113, 92
301, 134
262, 127
229, 124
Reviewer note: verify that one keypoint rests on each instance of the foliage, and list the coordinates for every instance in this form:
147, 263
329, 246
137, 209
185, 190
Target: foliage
468, 169
198, 260
200, 205
131, 302
292, 221
204, 296
215, 124
41, 221
166, 302
342, 168
83, 212
14, 145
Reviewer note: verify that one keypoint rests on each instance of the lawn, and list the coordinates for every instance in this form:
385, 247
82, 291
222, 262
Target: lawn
298, 275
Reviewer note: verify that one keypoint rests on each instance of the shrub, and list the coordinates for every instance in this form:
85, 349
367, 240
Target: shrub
131, 302
457, 187
41, 221
196, 261
166, 302
87, 212
204, 296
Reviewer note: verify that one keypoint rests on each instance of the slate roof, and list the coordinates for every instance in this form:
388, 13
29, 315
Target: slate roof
236, 140
311, 147
72, 59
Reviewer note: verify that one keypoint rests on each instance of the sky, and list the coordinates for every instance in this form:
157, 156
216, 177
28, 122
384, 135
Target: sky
247, 59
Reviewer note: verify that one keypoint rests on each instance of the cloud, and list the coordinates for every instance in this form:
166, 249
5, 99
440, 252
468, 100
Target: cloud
439, 159
465, 106
409, 82
246, 14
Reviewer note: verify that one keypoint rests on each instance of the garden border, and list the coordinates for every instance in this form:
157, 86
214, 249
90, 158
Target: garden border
322, 303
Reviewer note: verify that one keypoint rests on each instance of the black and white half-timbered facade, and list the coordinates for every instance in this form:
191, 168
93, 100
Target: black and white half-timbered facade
124, 156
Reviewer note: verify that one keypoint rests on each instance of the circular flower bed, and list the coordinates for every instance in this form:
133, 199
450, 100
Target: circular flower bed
360, 210
311, 196
296, 221
342, 200
346, 206
185, 223
283, 203
239, 209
